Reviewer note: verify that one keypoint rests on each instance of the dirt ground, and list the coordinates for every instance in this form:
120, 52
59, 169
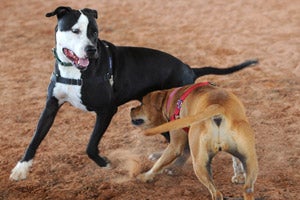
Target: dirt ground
216, 33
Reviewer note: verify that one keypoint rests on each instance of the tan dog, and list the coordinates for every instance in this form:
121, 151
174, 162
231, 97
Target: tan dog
217, 122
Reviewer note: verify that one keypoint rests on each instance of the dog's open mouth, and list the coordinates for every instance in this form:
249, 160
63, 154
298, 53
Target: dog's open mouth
80, 63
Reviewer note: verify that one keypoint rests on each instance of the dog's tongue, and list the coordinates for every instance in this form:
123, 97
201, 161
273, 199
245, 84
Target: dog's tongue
84, 62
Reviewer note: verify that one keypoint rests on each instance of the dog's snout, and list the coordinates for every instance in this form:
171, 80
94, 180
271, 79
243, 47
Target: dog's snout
90, 50
137, 122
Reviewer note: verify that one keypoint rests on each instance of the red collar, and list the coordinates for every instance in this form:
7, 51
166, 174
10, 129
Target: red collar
181, 100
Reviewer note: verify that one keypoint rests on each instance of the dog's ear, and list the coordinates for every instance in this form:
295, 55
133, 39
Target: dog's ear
90, 12
59, 12
157, 99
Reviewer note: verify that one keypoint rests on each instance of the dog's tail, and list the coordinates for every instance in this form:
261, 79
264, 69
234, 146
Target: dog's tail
209, 112
221, 71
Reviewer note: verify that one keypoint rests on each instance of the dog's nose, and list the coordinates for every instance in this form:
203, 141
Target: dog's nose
137, 121
90, 50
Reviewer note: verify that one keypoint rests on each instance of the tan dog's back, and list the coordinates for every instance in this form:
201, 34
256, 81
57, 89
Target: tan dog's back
203, 104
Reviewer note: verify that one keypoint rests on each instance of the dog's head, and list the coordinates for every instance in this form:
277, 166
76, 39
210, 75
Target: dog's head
150, 113
76, 35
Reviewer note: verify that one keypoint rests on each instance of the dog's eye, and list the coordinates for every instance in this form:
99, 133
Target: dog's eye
75, 31
94, 32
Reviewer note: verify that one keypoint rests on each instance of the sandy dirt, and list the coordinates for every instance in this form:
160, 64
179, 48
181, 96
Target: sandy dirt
216, 33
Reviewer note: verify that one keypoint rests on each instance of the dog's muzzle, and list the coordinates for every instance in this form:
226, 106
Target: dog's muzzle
81, 63
91, 51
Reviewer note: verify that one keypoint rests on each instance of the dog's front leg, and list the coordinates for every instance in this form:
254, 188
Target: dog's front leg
102, 121
45, 122
174, 149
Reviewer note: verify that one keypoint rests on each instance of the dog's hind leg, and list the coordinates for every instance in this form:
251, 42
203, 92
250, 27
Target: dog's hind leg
202, 168
45, 122
251, 174
249, 161
247, 154
251, 168
239, 172
201, 158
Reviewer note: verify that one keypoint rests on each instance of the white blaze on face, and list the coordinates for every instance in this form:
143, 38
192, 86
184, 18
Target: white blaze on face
75, 39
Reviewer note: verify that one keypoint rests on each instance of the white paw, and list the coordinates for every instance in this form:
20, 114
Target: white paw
108, 166
20, 171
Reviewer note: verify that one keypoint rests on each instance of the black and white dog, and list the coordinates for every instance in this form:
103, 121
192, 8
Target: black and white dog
95, 75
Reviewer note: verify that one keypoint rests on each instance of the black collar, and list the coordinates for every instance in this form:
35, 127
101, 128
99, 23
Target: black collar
69, 81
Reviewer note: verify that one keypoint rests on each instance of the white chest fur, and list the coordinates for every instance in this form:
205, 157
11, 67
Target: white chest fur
69, 93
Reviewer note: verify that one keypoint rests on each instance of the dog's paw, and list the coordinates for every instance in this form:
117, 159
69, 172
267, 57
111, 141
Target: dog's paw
145, 177
107, 163
20, 171
171, 171
108, 166
155, 156
238, 179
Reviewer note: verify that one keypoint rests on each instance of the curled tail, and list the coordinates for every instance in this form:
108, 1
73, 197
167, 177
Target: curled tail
221, 71
209, 112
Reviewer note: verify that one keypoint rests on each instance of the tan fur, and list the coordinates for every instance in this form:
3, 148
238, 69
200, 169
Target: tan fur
200, 111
